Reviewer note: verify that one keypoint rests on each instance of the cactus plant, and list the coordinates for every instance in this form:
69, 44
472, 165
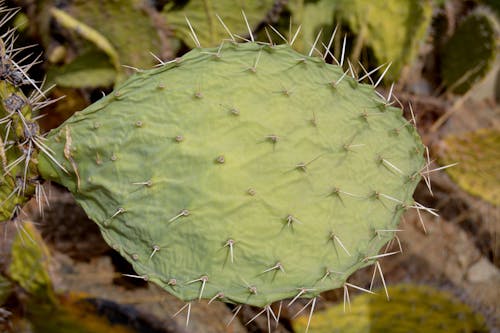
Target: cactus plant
471, 51
19, 141
246, 173
478, 160
292, 152
413, 308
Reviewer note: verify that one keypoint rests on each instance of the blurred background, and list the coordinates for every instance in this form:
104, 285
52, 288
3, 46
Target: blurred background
58, 275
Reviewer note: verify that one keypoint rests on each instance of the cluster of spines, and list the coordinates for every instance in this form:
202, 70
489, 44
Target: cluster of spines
20, 139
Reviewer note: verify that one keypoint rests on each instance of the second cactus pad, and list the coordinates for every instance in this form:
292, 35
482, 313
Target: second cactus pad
247, 173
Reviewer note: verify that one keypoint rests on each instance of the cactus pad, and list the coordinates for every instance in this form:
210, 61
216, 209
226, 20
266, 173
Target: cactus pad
246, 173
478, 158
470, 53
412, 309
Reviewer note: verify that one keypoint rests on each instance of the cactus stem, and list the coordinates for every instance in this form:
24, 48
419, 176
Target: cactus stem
236, 311
301, 292
188, 306
182, 213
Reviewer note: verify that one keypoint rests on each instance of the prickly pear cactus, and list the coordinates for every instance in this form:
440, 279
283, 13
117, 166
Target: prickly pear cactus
18, 138
470, 53
412, 309
478, 158
246, 173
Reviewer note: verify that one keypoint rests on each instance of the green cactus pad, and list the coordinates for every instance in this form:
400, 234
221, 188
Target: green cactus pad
470, 53
243, 172
478, 158
412, 308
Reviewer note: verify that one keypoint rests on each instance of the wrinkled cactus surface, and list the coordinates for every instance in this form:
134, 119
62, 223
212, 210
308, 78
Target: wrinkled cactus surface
246, 173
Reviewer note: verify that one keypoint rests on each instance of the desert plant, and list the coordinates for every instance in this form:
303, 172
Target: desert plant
247, 173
